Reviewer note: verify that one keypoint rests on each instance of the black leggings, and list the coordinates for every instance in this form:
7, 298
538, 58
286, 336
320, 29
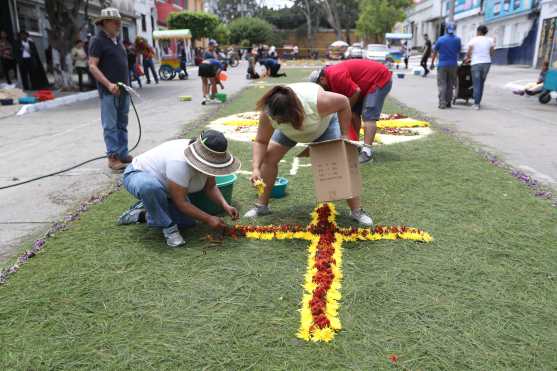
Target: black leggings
424, 65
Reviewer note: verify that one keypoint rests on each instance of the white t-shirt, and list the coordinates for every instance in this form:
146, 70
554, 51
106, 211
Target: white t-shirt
168, 162
481, 52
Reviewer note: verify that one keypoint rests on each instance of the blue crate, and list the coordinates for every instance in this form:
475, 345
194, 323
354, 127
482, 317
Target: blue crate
550, 82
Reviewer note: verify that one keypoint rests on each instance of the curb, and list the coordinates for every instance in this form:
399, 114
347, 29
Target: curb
62, 101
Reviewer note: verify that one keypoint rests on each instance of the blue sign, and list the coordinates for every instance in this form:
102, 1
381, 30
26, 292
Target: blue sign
502, 8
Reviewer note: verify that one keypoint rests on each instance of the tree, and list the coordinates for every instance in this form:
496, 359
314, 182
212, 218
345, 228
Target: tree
333, 18
310, 9
200, 24
222, 34
378, 17
252, 29
228, 10
65, 23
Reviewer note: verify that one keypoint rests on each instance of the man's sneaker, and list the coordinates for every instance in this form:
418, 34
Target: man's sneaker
365, 157
258, 210
173, 236
361, 217
476, 107
136, 214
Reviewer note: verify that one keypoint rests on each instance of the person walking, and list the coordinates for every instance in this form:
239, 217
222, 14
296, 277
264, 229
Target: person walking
426, 55
405, 54
7, 56
80, 63
132, 64
148, 54
31, 68
108, 63
448, 48
366, 84
480, 50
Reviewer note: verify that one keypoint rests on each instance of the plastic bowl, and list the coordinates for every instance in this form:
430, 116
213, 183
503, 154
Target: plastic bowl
226, 186
279, 189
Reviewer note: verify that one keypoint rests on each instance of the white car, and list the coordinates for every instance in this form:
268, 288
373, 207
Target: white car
377, 52
356, 51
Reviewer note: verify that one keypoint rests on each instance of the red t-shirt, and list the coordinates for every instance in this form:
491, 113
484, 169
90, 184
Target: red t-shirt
346, 77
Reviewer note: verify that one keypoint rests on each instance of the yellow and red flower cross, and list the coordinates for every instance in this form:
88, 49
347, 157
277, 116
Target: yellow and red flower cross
320, 303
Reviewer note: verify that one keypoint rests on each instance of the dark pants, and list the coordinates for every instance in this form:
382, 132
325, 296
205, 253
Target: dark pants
26, 68
423, 63
80, 71
149, 65
275, 69
479, 75
7, 66
446, 82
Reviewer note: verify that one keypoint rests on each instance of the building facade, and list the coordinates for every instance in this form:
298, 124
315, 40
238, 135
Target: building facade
547, 34
145, 19
165, 7
424, 17
512, 23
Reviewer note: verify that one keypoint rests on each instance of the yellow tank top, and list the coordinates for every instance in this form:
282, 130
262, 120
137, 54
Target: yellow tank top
314, 125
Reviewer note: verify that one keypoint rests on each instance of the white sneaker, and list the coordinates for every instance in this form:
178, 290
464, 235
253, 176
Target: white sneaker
258, 210
476, 107
173, 236
361, 217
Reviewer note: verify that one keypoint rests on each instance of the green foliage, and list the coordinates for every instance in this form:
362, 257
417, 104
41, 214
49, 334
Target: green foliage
284, 18
229, 10
378, 17
222, 34
255, 30
200, 24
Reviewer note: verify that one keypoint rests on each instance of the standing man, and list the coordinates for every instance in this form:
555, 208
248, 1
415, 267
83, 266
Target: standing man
448, 48
480, 50
108, 63
426, 55
366, 84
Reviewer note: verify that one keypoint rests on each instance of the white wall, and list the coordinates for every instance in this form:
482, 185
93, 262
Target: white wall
548, 10
147, 8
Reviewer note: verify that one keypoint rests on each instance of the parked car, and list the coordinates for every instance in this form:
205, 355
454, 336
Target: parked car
378, 53
356, 51
337, 50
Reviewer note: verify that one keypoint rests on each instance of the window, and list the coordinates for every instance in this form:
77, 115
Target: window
28, 18
143, 23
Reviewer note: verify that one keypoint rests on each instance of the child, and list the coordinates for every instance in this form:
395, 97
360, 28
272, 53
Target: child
252, 59
534, 88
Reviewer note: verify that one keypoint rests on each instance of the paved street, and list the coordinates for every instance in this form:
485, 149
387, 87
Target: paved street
44, 142
519, 129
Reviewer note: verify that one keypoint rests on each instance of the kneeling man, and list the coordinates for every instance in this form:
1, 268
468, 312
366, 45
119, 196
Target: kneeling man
366, 84
162, 178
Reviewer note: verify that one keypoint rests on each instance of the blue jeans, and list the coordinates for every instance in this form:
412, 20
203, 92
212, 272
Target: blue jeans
114, 118
332, 132
479, 75
148, 64
371, 106
161, 212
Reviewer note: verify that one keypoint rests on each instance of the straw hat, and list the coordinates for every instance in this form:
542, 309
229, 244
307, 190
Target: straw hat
209, 154
108, 14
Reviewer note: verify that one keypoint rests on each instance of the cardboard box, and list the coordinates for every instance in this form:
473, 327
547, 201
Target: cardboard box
336, 170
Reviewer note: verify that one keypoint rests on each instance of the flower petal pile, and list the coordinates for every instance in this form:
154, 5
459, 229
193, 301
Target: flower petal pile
322, 283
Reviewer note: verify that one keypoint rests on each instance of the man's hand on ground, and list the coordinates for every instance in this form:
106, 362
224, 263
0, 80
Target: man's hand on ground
232, 212
216, 223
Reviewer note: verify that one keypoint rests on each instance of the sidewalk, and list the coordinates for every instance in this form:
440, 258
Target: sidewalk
43, 142
519, 129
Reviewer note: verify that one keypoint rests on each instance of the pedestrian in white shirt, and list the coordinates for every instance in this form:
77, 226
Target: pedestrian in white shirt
480, 50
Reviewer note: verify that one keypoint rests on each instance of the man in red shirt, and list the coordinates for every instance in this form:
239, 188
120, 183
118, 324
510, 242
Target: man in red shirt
366, 84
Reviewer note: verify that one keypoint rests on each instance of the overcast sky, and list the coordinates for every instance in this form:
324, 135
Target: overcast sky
277, 3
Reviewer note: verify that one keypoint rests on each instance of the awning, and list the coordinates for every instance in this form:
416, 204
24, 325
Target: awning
172, 34
398, 36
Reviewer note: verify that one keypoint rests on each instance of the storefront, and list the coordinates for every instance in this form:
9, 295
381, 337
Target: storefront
547, 39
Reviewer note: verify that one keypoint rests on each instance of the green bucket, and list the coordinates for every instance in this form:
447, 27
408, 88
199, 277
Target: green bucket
226, 186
